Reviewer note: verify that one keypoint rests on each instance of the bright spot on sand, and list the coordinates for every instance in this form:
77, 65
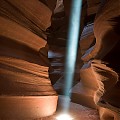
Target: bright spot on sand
64, 117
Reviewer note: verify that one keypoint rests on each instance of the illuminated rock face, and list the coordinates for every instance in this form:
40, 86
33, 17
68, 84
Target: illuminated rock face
87, 38
98, 79
106, 49
28, 29
25, 88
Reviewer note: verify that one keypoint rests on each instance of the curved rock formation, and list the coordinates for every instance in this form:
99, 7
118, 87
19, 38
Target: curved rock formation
25, 88
33, 31
106, 48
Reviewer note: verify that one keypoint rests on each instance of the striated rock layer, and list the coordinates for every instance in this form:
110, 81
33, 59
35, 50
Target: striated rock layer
25, 88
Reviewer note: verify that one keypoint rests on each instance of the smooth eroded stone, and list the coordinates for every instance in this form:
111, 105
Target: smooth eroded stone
26, 107
107, 114
87, 38
33, 10
106, 30
25, 88
83, 95
88, 77
96, 78
93, 6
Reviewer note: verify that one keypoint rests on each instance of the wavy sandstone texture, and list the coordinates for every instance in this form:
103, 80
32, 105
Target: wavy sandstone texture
33, 31
23, 61
102, 67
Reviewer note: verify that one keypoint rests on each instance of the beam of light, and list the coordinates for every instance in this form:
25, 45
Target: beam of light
72, 46
64, 117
